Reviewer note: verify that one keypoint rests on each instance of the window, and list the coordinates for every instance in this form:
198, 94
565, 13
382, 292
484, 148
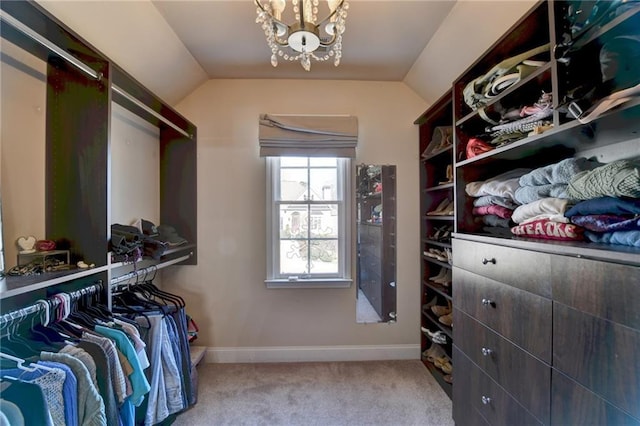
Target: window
308, 211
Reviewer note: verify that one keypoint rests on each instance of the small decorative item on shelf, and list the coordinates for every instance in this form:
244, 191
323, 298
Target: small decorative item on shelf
26, 244
45, 245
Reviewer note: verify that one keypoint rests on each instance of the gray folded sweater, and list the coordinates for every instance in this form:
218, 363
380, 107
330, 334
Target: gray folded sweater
561, 172
617, 179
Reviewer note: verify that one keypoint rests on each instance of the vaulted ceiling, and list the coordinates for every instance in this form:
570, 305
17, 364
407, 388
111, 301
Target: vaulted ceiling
173, 46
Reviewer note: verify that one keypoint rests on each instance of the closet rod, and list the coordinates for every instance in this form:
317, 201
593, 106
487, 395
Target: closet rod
46, 43
150, 111
21, 313
138, 272
83, 67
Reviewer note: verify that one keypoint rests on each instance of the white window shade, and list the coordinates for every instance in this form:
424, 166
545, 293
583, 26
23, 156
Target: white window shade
308, 135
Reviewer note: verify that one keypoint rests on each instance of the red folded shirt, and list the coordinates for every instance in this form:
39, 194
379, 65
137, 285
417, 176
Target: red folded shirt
549, 230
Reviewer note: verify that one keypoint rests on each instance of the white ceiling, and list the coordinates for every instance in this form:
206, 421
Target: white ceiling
174, 46
381, 42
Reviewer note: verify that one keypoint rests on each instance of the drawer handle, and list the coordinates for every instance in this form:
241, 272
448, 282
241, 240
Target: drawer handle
485, 260
488, 302
486, 351
486, 400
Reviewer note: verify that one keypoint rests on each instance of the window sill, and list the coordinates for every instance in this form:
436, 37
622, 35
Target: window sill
310, 283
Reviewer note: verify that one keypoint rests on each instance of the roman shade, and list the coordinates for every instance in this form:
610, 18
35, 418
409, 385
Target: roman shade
308, 135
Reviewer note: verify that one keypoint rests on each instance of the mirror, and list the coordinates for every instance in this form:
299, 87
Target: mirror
376, 243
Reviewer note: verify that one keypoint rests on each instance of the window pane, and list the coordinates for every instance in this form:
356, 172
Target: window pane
324, 184
294, 221
324, 221
322, 162
293, 184
293, 257
293, 161
324, 257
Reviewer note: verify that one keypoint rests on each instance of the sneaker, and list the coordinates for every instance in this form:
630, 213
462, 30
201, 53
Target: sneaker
437, 337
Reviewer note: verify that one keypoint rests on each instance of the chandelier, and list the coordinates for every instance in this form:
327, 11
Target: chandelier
307, 37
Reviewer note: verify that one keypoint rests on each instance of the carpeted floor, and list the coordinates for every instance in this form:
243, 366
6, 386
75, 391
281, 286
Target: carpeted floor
318, 393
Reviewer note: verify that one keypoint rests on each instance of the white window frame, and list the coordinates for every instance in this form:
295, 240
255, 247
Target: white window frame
343, 278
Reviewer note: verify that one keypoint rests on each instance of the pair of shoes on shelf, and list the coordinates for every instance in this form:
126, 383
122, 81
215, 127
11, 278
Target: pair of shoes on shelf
441, 138
444, 364
442, 233
434, 352
447, 319
436, 337
449, 175
440, 310
436, 254
445, 208
444, 277
429, 304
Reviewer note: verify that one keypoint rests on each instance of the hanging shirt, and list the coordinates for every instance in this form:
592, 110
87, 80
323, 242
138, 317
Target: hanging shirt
138, 344
12, 413
165, 396
138, 380
51, 383
103, 377
69, 392
30, 400
90, 405
117, 375
85, 358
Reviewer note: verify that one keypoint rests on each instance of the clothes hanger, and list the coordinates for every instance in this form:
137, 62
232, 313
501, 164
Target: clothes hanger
15, 342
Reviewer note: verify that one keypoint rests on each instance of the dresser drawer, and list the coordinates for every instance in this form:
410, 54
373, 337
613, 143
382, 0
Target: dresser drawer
527, 270
526, 378
473, 389
522, 317
463, 415
605, 290
573, 404
599, 354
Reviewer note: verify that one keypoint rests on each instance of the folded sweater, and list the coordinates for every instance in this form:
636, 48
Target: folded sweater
617, 179
561, 172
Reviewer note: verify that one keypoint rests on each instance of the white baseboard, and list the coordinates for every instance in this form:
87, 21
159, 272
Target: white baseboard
311, 353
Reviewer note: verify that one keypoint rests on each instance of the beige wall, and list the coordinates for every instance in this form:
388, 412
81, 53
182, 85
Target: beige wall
225, 292
23, 91
135, 168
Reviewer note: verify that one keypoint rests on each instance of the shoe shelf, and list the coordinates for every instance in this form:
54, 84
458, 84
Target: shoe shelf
437, 243
439, 376
443, 217
433, 320
436, 150
437, 153
441, 187
438, 288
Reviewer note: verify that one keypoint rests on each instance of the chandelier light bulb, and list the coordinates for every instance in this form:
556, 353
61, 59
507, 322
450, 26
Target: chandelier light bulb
305, 37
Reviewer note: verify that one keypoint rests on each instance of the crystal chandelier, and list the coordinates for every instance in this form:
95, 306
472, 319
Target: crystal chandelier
307, 37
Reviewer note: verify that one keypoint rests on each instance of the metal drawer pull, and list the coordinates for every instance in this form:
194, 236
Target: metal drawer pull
485, 260
486, 400
486, 351
488, 302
